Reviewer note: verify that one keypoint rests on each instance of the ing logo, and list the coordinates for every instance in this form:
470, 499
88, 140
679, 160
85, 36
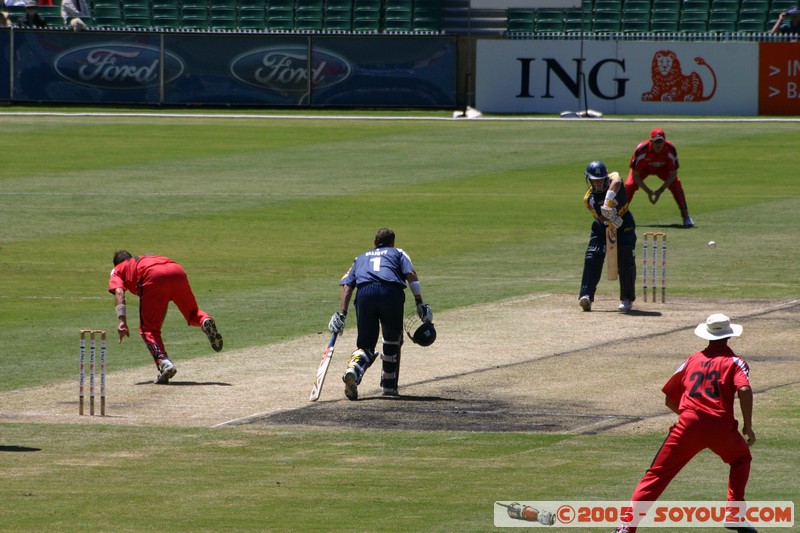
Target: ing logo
670, 84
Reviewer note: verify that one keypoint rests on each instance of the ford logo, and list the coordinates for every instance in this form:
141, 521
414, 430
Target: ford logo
117, 66
286, 69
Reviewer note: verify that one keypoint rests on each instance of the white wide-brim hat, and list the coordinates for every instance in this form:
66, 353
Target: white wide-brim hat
716, 327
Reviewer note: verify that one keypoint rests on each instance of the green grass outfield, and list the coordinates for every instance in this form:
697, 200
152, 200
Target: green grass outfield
266, 214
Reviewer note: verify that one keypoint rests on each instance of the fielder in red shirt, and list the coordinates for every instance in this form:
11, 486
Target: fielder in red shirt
702, 393
157, 281
657, 157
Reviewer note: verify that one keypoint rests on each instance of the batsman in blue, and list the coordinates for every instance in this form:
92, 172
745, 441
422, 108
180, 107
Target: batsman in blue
607, 201
378, 278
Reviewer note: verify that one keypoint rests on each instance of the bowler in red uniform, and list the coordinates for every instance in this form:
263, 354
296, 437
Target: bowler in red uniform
702, 392
157, 281
657, 157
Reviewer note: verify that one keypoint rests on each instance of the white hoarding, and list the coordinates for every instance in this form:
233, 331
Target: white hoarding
648, 78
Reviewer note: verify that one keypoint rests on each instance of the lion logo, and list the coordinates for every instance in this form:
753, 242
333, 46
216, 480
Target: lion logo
670, 84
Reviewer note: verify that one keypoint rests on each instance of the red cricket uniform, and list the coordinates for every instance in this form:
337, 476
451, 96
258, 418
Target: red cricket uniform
647, 161
704, 388
156, 281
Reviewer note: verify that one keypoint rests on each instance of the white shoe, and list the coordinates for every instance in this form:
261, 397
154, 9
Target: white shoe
350, 384
210, 329
391, 393
585, 302
166, 370
625, 306
688, 222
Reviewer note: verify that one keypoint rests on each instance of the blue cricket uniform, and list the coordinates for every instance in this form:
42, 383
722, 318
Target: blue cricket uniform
379, 276
380, 265
596, 250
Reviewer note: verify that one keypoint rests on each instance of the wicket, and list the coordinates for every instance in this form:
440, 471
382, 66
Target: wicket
655, 235
92, 353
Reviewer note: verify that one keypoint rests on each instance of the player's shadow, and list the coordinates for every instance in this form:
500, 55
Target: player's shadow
407, 398
674, 226
190, 384
18, 449
632, 312
639, 312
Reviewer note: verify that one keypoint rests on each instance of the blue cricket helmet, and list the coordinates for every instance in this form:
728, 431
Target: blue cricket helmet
596, 170
422, 333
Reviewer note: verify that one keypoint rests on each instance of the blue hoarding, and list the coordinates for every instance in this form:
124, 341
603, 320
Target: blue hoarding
229, 69
100, 67
5, 64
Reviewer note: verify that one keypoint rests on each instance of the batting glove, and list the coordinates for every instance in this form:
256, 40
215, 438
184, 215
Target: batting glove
616, 221
424, 312
609, 212
336, 325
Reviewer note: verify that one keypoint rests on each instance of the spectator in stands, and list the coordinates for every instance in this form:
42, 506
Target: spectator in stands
74, 11
31, 18
793, 27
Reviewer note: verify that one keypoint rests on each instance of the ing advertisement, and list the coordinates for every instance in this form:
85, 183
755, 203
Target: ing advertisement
644, 78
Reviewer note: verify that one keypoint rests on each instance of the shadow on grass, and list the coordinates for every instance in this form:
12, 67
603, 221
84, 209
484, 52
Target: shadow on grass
18, 449
405, 398
639, 312
190, 384
673, 226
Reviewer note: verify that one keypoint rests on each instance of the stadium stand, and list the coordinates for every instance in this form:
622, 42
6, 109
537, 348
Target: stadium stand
431, 16
136, 14
427, 16
636, 22
398, 15
222, 15
549, 21
280, 15
309, 15
757, 24
607, 16
521, 20
107, 14
722, 20
367, 16
194, 15
576, 20
338, 15
252, 15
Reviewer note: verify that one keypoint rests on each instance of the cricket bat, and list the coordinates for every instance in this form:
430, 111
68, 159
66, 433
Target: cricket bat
611, 252
323, 370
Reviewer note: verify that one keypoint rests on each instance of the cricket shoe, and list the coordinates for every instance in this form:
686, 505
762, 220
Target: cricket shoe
688, 222
350, 384
210, 329
585, 302
391, 393
166, 370
625, 306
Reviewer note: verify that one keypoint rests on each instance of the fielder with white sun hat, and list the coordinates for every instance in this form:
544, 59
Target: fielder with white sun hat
701, 392
717, 327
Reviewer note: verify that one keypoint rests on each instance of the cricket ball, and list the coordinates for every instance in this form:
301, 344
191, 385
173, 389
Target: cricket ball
712, 244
